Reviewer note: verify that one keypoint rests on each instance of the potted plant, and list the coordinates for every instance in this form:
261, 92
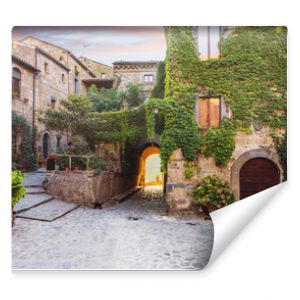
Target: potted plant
213, 193
18, 190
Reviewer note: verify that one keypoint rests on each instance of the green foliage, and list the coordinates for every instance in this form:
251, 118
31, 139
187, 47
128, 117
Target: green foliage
69, 117
213, 191
97, 164
181, 131
18, 189
27, 159
281, 147
159, 88
220, 142
114, 100
188, 170
251, 75
104, 99
181, 59
127, 125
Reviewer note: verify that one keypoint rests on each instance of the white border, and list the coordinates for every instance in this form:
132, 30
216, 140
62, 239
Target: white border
262, 262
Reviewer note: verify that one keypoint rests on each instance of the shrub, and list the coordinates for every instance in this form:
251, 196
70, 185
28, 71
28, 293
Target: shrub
18, 189
213, 191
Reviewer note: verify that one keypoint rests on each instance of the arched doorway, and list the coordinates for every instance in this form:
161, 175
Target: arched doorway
46, 143
149, 167
256, 175
255, 171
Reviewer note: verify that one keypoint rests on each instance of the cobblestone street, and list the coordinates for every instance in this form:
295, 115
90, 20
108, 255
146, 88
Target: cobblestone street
136, 234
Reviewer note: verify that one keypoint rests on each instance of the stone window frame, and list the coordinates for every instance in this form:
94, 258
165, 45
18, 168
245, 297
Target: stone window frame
16, 82
148, 76
46, 67
243, 158
53, 101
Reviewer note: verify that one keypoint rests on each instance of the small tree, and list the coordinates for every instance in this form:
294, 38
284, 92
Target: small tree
114, 100
69, 117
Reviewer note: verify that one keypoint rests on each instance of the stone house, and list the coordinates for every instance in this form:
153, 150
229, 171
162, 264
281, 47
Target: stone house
42, 75
142, 73
254, 164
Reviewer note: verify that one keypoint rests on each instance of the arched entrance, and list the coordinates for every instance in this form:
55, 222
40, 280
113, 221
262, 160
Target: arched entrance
256, 175
46, 143
255, 171
149, 167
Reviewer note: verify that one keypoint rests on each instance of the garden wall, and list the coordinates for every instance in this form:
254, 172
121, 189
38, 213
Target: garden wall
87, 189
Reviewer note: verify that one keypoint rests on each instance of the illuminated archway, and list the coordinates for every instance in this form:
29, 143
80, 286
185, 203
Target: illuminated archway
149, 167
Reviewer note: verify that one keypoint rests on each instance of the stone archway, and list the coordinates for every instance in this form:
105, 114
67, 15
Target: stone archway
149, 152
265, 159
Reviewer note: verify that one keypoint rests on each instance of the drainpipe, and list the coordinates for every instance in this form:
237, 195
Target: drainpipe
33, 103
208, 42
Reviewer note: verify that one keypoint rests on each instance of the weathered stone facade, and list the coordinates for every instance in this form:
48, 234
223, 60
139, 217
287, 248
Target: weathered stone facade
100, 70
179, 189
141, 73
49, 73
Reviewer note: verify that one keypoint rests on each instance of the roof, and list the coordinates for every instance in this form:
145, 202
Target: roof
94, 61
52, 58
24, 63
98, 79
123, 62
68, 51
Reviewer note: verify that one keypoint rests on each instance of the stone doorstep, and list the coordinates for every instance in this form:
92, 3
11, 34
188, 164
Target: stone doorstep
35, 190
121, 197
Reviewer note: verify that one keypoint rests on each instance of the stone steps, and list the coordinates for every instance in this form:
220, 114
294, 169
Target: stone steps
30, 201
32, 190
49, 211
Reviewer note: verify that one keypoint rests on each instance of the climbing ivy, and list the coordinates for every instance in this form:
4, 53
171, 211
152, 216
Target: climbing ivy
159, 88
27, 159
250, 74
219, 142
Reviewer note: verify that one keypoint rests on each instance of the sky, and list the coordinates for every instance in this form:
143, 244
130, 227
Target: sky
103, 44
110, 44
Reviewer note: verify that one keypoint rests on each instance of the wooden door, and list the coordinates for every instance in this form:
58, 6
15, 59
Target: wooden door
256, 175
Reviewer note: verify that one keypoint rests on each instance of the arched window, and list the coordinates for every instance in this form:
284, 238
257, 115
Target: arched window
46, 67
103, 75
16, 82
62, 78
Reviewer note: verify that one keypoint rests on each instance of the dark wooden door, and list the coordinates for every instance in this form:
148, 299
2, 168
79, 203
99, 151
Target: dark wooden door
46, 145
256, 175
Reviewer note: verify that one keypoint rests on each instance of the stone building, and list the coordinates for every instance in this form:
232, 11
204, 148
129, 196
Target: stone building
142, 73
42, 75
254, 164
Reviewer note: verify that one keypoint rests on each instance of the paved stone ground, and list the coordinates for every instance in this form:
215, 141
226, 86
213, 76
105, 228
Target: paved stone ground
136, 234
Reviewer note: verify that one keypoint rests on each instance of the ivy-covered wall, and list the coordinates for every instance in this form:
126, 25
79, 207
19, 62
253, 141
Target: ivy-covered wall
250, 74
25, 157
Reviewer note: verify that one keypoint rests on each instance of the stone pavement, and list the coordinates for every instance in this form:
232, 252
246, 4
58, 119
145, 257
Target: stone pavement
136, 234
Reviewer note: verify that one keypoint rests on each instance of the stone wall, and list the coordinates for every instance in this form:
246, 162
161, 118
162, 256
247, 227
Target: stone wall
179, 189
24, 104
134, 73
87, 189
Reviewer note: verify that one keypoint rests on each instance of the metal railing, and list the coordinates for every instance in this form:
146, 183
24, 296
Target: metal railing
78, 156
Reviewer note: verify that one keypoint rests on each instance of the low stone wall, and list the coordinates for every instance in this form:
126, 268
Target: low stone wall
87, 189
